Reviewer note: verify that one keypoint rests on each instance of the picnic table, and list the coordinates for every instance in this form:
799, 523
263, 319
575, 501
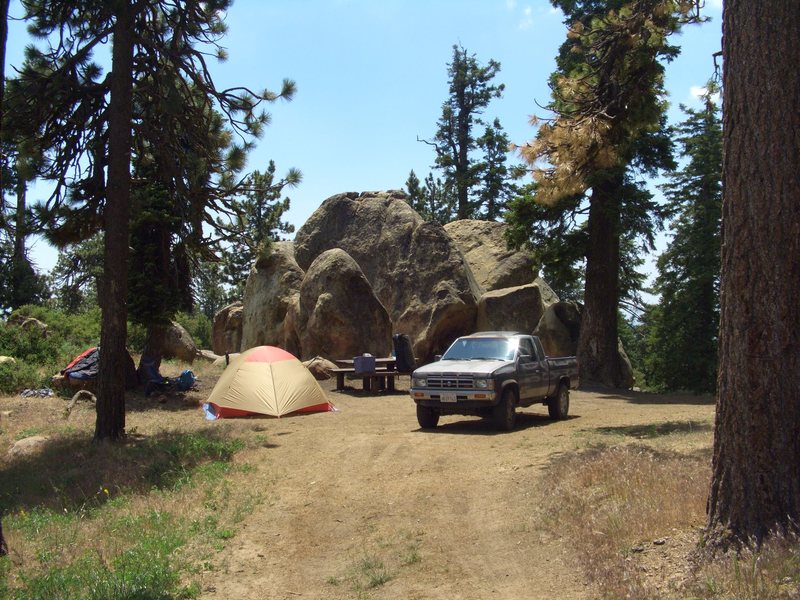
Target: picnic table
382, 378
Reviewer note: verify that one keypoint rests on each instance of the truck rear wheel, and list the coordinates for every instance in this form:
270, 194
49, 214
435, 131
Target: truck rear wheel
558, 405
505, 414
427, 417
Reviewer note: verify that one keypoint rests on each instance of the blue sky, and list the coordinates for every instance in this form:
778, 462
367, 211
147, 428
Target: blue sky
372, 75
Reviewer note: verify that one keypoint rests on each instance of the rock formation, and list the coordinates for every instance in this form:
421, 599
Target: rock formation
178, 343
271, 288
413, 267
338, 314
226, 331
484, 247
517, 308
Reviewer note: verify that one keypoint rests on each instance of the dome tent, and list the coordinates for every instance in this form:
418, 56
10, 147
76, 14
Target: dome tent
269, 381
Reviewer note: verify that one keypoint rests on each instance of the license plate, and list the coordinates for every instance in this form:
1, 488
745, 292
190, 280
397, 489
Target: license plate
449, 398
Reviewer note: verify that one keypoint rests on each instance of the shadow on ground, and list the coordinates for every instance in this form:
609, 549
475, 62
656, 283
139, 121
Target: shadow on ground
485, 426
654, 430
636, 397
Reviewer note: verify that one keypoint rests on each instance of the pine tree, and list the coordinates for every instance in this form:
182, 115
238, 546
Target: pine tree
755, 486
83, 122
259, 209
609, 128
682, 342
496, 186
471, 91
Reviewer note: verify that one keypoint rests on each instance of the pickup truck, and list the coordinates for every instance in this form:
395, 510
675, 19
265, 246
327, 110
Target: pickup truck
490, 374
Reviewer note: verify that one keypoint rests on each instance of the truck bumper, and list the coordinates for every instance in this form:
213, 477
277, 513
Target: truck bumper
454, 400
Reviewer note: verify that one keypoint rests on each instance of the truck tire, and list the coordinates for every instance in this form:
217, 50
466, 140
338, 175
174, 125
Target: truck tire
558, 405
504, 413
427, 417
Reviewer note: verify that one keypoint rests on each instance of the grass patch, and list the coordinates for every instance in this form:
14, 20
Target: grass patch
632, 515
608, 501
380, 562
134, 520
656, 430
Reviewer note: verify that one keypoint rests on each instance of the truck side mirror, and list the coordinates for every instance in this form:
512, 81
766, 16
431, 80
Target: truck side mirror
437, 357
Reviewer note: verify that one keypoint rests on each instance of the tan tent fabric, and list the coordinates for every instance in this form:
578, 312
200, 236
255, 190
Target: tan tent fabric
268, 381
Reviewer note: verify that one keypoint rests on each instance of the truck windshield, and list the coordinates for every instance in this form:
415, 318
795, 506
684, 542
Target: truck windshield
481, 348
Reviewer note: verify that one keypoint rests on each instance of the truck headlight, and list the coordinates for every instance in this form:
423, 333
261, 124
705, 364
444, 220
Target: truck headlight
419, 382
482, 384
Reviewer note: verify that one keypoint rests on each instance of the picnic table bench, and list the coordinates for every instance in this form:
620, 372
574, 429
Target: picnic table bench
382, 378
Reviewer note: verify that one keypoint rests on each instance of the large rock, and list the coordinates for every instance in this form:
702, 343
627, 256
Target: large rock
414, 268
485, 249
628, 380
28, 324
27, 446
514, 309
227, 330
559, 329
339, 316
320, 367
271, 289
178, 343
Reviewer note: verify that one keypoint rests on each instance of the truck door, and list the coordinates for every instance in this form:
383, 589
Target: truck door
533, 371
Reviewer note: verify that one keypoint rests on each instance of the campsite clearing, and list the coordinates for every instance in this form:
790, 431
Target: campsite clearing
361, 503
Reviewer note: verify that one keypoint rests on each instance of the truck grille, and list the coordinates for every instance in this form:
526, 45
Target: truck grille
450, 383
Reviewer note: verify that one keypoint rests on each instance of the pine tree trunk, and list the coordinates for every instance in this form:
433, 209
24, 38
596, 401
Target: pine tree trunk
755, 487
3, 41
598, 345
153, 349
3, 545
110, 424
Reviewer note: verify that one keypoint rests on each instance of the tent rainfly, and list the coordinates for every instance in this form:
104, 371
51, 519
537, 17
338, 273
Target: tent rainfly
269, 381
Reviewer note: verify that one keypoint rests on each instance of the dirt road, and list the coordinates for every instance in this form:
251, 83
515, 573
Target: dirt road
361, 503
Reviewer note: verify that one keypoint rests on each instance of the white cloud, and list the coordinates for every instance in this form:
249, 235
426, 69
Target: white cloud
697, 91
527, 18
511, 4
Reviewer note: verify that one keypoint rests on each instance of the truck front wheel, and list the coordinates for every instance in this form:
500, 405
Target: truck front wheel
427, 417
505, 414
558, 405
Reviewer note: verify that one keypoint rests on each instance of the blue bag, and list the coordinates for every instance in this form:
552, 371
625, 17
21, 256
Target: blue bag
185, 381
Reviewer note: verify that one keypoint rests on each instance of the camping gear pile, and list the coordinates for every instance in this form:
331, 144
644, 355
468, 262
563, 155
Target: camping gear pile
82, 371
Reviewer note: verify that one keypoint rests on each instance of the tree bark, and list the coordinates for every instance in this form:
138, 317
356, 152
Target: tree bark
3, 545
755, 487
110, 423
3, 40
598, 344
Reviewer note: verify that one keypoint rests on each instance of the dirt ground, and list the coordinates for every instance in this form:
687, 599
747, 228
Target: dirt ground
361, 503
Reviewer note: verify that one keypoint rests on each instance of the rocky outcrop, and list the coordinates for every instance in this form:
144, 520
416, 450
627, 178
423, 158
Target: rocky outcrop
320, 367
559, 328
271, 288
628, 380
514, 309
338, 315
485, 249
415, 270
28, 324
27, 446
178, 343
226, 331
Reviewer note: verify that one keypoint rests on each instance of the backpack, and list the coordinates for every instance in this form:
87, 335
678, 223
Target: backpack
185, 381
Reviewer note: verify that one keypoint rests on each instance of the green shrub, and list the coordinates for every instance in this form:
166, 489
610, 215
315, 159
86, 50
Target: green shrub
199, 327
15, 377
